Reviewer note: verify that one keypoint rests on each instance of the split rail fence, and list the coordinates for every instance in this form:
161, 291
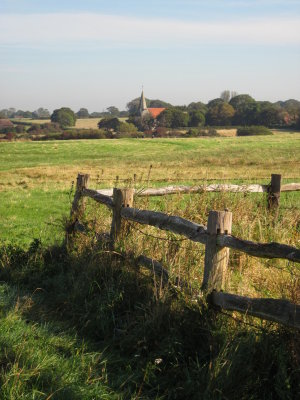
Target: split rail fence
216, 237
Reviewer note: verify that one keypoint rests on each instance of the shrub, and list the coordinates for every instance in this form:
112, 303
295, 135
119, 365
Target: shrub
195, 132
253, 131
125, 127
74, 134
122, 135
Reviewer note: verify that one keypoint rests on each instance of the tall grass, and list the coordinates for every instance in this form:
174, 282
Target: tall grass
84, 322
81, 322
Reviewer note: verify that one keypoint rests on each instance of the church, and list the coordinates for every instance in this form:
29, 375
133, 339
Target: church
144, 111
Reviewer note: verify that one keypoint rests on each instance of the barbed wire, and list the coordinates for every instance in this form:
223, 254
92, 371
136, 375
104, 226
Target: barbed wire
202, 252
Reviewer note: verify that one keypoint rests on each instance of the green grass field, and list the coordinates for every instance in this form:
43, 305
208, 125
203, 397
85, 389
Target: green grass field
36, 178
85, 323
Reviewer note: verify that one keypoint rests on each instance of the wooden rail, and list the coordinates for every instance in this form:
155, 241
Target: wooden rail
216, 187
216, 237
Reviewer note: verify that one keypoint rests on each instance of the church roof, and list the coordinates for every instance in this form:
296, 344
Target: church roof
155, 111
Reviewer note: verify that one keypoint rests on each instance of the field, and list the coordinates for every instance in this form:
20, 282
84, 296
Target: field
81, 123
36, 178
89, 325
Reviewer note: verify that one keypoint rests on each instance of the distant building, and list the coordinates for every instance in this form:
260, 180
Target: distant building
145, 111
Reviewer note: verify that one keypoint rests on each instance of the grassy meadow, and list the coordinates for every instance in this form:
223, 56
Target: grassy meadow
85, 323
36, 178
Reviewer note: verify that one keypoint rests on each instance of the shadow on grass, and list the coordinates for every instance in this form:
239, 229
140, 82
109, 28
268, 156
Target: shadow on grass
109, 328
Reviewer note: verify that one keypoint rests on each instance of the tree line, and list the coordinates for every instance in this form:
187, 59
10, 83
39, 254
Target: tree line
230, 109
43, 113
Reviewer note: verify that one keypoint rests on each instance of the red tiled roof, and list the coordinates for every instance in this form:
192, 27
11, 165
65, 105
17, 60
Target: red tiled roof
155, 111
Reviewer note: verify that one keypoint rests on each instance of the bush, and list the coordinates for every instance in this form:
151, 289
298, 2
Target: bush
44, 129
74, 134
122, 135
125, 127
253, 131
194, 132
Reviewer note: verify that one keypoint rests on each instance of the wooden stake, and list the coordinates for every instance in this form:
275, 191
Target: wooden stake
78, 204
274, 191
216, 257
121, 198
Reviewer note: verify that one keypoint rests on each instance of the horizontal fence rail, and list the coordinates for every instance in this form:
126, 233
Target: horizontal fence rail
216, 237
255, 188
281, 311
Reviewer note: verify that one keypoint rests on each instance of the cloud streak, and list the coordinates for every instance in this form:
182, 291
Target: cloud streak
80, 28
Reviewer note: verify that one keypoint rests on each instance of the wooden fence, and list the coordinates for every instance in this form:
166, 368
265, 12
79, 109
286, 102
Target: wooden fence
216, 237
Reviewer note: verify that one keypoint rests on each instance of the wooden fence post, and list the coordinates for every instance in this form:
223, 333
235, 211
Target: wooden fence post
121, 198
216, 257
78, 204
274, 191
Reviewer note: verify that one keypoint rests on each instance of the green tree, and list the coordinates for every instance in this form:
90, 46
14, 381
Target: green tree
64, 117
220, 114
142, 123
165, 118
198, 106
173, 118
244, 106
114, 111
158, 104
41, 113
179, 119
196, 118
83, 113
214, 102
133, 106
109, 124
270, 114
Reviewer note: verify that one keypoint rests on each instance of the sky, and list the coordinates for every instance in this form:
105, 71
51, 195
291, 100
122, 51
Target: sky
99, 53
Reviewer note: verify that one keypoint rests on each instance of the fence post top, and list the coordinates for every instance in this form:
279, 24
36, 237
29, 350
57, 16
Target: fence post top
219, 222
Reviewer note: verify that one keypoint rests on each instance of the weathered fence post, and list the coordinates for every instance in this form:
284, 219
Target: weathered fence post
121, 198
78, 204
274, 191
216, 257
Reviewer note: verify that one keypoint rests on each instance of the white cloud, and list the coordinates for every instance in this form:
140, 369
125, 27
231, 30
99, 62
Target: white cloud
60, 28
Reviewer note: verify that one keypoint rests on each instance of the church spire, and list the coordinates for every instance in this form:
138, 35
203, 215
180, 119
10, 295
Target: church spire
142, 105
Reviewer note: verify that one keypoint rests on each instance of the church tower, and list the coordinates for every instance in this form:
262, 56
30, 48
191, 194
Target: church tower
143, 110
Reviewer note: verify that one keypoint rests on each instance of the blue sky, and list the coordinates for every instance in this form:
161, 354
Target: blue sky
99, 53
